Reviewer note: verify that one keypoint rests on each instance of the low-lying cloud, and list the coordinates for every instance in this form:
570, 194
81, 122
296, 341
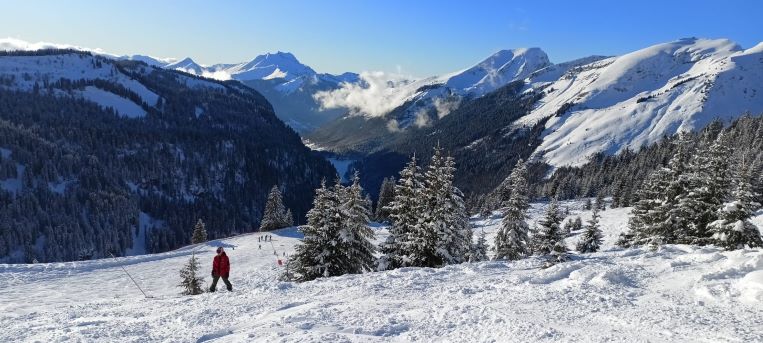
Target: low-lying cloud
375, 95
13, 44
217, 75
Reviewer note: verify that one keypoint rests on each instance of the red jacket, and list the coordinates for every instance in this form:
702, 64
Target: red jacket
221, 265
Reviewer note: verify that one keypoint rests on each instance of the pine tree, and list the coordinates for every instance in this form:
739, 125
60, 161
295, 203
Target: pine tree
190, 279
355, 234
588, 204
645, 224
479, 251
386, 196
445, 217
592, 236
199, 232
599, 203
733, 229
288, 220
401, 246
274, 216
547, 236
708, 184
320, 253
511, 241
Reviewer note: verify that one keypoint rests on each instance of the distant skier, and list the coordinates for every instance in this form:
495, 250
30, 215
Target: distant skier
220, 269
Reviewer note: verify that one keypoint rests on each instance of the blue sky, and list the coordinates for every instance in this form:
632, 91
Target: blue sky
418, 38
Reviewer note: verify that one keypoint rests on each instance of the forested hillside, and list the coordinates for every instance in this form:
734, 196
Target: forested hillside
100, 157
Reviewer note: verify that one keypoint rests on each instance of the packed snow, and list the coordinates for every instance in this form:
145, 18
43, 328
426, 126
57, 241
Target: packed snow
677, 293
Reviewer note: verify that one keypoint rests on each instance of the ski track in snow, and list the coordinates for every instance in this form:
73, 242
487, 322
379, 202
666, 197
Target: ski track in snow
676, 294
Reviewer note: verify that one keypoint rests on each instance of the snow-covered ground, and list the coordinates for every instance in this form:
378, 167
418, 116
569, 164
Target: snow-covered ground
679, 293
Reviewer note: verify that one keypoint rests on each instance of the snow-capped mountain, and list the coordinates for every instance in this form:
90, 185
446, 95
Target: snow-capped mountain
86, 133
187, 65
269, 66
436, 96
635, 99
288, 84
418, 103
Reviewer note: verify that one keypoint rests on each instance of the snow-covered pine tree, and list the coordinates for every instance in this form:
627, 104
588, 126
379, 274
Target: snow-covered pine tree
386, 196
355, 234
511, 241
199, 232
288, 219
462, 243
445, 214
644, 225
275, 212
320, 253
405, 213
592, 236
568, 227
733, 229
190, 280
677, 218
479, 250
708, 185
549, 233
599, 203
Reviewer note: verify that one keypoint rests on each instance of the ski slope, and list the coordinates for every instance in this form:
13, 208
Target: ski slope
677, 294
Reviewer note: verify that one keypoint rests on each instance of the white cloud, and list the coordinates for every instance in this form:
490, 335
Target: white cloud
12, 44
444, 106
217, 75
393, 126
421, 118
375, 95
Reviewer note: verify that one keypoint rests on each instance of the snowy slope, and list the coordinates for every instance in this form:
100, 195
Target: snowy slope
635, 99
24, 72
678, 294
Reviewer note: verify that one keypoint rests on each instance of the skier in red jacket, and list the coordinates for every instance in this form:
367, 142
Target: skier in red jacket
220, 269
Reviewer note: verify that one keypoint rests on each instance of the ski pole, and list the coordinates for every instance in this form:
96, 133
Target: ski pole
130, 276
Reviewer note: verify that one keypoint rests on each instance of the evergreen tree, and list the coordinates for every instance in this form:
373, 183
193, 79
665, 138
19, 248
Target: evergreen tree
288, 218
708, 185
274, 216
190, 279
479, 251
733, 229
386, 196
445, 217
199, 232
355, 234
591, 239
549, 233
402, 246
599, 203
320, 252
645, 224
511, 241
588, 204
